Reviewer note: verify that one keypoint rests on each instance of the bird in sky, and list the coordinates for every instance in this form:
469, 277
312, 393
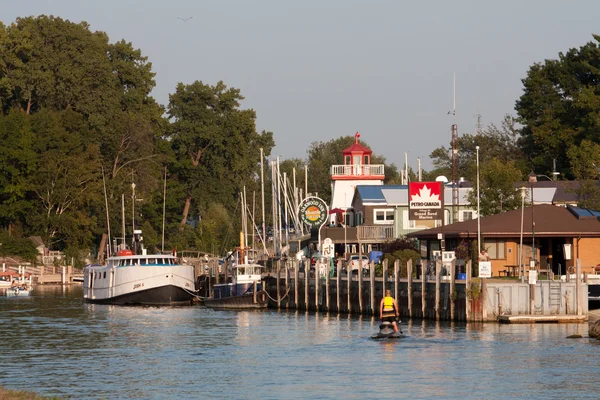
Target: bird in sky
185, 19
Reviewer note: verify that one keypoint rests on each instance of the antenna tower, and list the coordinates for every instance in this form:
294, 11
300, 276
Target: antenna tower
454, 158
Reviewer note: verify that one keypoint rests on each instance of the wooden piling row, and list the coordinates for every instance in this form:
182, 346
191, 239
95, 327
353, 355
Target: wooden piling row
363, 296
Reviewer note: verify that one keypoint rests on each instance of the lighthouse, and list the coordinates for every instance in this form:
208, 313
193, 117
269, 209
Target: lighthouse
356, 170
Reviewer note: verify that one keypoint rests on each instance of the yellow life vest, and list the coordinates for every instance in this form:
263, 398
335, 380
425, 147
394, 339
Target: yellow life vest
388, 303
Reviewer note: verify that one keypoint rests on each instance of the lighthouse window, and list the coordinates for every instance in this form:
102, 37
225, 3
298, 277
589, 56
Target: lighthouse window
104, 275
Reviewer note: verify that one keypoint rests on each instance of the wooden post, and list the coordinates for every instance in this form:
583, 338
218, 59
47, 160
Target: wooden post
317, 284
469, 304
531, 297
360, 281
278, 280
384, 264
296, 281
438, 273
396, 278
349, 282
254, 293
372, 271
578, 285
306, 281
409, 268
452, 288
287, 285
484, 299
338, 284
216, 271
327, 285
423, 288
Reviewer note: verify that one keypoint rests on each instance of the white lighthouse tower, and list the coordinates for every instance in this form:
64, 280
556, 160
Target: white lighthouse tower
356, 170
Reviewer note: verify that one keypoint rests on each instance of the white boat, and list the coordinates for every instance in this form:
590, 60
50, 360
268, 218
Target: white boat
243, 292
18, 291
5, 283
132, 279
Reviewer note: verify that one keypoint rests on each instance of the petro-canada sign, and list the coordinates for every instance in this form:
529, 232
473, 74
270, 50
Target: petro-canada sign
425, 200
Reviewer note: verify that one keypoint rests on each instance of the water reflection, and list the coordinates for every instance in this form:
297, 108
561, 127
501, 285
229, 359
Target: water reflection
58, 345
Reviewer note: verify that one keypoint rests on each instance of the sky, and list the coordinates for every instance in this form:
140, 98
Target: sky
317, 70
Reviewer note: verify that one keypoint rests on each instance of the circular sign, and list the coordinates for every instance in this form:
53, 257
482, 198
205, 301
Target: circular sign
313, 211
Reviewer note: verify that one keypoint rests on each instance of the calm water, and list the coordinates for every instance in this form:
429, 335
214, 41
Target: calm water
55, 344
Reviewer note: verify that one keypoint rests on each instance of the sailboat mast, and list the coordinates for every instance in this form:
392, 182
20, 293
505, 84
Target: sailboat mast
107, 214
164, 211
122, 217
285, 208
262, 190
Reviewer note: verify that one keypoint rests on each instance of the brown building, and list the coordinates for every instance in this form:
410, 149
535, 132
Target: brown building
548, 227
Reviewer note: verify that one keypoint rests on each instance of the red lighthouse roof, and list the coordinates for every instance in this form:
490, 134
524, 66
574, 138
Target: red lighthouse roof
357, 148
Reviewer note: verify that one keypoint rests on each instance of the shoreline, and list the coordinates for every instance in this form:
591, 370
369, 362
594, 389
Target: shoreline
9, 394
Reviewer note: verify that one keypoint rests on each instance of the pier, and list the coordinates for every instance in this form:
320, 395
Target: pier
429, 296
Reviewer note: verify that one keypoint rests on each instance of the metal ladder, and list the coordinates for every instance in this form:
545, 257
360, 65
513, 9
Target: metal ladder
555, 298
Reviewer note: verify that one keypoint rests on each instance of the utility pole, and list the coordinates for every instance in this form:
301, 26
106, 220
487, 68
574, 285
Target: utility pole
454, 159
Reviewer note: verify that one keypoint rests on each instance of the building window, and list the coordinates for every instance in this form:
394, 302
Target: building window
383, 216
359, 219
466, 215
496, 249
408, 223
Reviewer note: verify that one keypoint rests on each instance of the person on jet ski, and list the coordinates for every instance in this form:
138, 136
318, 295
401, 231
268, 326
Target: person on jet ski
388, 309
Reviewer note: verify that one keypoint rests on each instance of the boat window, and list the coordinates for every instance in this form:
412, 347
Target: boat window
104, 275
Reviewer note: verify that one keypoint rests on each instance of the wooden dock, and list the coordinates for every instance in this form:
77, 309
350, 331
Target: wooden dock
537, 319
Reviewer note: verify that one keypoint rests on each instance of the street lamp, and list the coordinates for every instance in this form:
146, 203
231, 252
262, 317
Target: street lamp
523, 190
532, 180
478, 218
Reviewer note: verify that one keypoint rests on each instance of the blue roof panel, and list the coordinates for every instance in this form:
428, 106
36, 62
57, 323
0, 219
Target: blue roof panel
373, 193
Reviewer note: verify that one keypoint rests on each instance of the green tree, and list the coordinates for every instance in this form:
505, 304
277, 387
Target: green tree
585, 160
559, 107
18, 162
66, 183
494, 143
215, 143
497, 187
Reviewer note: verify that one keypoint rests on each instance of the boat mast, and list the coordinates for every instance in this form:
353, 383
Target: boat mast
279, 226
132, 212
164, 209
122, 218
285, 208
107, 214
262, 190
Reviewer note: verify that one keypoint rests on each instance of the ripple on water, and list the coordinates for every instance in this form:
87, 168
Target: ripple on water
58, 345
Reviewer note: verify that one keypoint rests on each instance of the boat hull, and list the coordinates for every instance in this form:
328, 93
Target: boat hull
160, 296
245, 301
136, 284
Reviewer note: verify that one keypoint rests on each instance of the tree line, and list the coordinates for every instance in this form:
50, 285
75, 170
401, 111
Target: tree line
79, 128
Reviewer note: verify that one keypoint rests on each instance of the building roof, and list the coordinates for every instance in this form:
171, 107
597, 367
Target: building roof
37, 241
356, 147
550, 221
374, 193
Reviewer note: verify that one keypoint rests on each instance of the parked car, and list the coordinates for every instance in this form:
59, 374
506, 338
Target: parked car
357, 261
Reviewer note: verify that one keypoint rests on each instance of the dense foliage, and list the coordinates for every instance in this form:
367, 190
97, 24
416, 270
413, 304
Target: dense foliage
83, 139
78, 123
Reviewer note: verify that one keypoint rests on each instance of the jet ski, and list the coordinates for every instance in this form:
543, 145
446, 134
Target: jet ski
386, 331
